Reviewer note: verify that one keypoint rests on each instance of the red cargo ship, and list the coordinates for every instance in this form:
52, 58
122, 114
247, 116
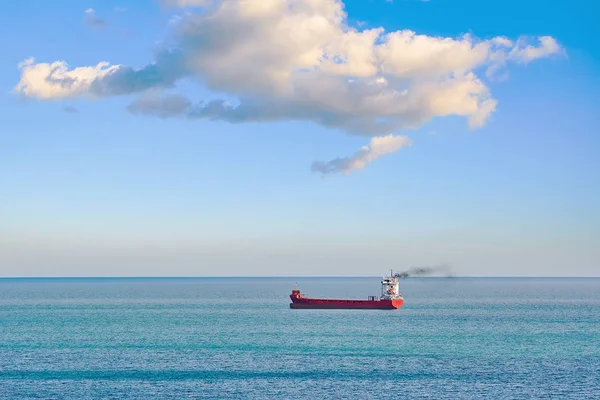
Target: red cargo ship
390, 298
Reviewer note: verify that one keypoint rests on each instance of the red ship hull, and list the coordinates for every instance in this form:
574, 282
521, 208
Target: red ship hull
298, 301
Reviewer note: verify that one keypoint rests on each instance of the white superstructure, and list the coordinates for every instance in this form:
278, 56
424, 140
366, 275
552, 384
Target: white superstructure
390, 288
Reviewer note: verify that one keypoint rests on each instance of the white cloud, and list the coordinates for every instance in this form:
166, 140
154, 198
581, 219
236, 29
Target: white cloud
524, 52
55, 81
299, 60
378, 146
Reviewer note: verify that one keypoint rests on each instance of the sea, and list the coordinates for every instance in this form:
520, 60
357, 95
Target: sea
237, 338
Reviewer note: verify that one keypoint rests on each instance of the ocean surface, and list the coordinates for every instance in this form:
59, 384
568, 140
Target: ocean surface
209, 338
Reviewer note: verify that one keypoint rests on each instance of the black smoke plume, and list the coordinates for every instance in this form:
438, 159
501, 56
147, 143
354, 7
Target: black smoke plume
424, 271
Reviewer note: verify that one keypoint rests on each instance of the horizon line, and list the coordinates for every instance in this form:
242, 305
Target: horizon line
294, 277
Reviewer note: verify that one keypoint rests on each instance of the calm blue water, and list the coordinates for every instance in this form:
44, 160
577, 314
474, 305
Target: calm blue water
218, 338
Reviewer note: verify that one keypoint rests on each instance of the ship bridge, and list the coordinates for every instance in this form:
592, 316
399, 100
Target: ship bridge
390, 288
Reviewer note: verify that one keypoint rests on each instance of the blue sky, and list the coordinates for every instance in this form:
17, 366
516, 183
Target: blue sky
103, 191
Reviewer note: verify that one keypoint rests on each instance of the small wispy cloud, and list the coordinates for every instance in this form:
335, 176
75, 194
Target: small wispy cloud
71, 110
92, 20
378, 146
162, 106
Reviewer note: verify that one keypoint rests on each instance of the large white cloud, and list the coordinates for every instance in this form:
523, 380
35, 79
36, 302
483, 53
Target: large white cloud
299, 60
